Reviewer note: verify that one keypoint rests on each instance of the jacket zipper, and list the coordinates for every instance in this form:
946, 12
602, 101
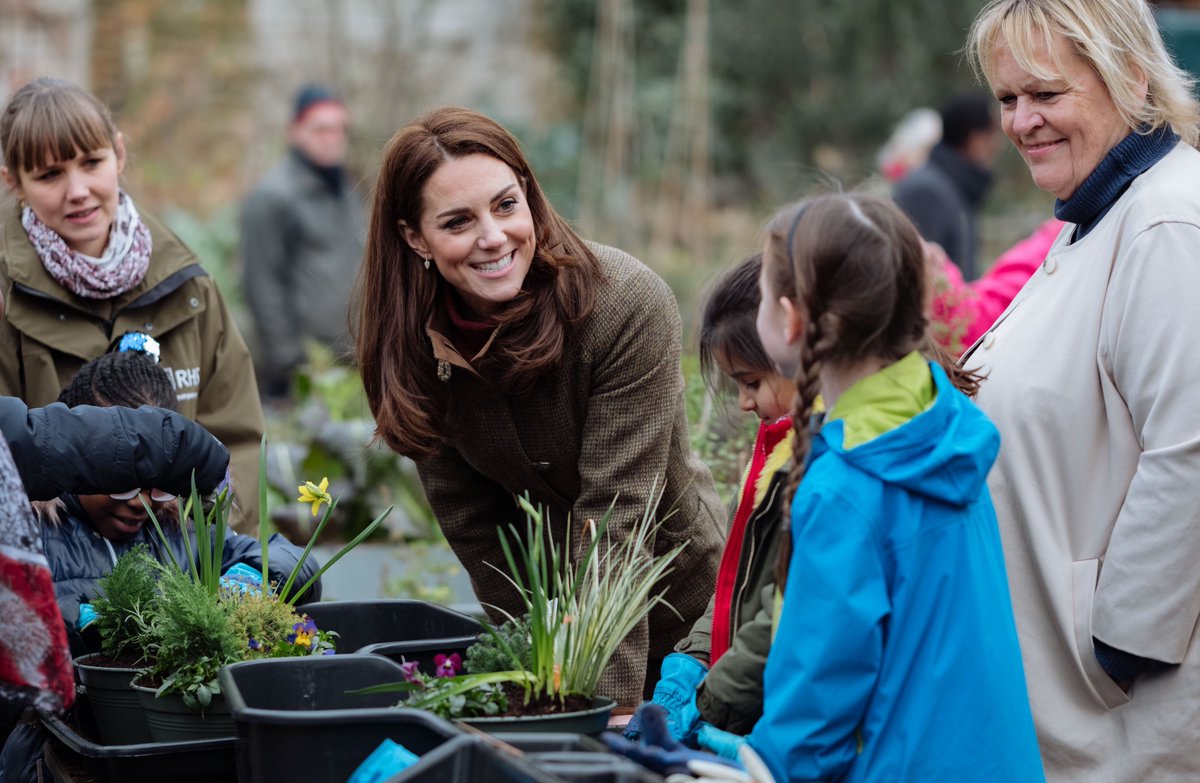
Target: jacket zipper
768, 502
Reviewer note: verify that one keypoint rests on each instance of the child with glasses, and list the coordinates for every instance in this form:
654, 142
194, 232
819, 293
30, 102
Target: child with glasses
83, 535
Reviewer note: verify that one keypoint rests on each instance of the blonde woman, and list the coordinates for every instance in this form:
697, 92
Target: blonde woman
1091, 376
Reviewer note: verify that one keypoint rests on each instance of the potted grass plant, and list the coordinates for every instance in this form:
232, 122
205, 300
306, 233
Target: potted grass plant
541, 672
200, 620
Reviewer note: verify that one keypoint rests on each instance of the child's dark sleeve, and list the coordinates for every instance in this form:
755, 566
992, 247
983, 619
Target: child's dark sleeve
87, 450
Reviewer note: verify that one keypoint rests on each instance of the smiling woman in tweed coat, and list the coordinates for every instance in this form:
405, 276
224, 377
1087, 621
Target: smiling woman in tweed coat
504, 354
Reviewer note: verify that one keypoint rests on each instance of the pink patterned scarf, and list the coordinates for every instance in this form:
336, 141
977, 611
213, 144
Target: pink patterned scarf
123, 265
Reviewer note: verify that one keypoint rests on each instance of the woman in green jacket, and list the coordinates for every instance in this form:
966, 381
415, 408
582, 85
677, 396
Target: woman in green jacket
506, 355
80, 266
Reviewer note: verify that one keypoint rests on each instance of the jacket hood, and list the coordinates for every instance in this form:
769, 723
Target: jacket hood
943, 452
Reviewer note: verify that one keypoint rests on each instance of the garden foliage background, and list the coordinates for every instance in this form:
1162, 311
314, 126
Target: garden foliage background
671, 128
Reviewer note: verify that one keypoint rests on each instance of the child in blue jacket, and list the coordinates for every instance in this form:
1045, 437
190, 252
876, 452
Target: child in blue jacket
895, 653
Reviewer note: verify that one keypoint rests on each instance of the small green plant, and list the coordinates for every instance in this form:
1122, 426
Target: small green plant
205, 561
304, 638
261, 617
575, 615
578, 616
187, 637
199, 622
443, 694
444, 699
447, 694
493, 651
125, 594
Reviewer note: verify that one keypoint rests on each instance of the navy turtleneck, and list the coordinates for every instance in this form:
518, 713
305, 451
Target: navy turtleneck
1092, 200
331, 176
972, 180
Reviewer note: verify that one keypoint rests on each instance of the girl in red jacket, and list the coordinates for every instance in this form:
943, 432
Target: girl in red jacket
715, 675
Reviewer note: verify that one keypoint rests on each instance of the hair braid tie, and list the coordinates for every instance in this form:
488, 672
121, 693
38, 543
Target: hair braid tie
808, 387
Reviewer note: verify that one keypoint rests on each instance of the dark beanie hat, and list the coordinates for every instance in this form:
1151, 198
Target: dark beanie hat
964, 114
310, 95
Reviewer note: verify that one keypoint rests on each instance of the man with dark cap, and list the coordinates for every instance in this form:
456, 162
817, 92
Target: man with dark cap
302, 240
943, 196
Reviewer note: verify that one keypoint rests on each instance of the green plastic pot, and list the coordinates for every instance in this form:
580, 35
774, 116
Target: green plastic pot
170, 720
591, 721
120, 719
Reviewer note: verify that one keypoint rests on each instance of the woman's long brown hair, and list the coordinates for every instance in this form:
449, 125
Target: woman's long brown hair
854, 266
395, 295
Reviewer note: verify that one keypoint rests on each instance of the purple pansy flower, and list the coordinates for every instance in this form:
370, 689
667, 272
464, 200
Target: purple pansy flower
447, 665
411, 671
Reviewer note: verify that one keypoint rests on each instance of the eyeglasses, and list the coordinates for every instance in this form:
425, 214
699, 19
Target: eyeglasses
156, 495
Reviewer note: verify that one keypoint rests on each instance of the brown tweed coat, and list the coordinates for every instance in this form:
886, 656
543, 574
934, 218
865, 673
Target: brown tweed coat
609, 420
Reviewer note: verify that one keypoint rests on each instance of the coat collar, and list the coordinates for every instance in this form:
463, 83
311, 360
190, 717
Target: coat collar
329, 180
171, 257
1124, 163
447, 356
43, 309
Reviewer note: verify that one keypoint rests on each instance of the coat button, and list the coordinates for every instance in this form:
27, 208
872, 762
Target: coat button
1050, 265
194, 302
62, 316
148, 326
989, 339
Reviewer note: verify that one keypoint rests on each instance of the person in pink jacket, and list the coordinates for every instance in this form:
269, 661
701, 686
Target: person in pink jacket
961, 312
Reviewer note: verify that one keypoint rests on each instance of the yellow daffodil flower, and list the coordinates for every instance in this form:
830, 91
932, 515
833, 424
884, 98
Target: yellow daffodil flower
315, 494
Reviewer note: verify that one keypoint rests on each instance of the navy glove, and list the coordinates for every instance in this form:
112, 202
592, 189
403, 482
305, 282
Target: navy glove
724, 743
658, 750
676, 693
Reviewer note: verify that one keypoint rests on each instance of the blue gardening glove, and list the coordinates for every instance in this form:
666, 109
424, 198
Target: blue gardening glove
724, 743
386, 761
243, 578
87, 616
658, 750
676, 693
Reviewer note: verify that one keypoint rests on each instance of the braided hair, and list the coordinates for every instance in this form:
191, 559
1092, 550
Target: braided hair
854, 267
128, 379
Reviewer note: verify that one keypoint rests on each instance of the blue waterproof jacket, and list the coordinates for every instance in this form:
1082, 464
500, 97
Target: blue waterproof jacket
896, 656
